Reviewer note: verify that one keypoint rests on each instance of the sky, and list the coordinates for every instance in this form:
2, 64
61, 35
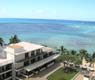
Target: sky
48, 9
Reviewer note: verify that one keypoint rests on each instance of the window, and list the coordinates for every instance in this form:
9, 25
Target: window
0, 69
33, 60
39, 58
9, 74
4, 76
1, 77
26, 63
32, 53
3, 68
45, 55
26, 55
9, 66
50, 53
38, 52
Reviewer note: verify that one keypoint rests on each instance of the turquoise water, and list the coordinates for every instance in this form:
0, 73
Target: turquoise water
54, 33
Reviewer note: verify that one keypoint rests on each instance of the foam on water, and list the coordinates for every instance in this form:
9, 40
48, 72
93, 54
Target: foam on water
54, 33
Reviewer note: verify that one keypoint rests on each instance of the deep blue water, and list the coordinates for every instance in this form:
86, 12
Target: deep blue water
54, 33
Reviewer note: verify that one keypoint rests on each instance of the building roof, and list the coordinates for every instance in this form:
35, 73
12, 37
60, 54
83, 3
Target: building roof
4, 60
14, 46
47, 49
29, 46
22, 47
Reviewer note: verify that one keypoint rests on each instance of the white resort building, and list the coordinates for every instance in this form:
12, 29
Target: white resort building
5, 69
25, 59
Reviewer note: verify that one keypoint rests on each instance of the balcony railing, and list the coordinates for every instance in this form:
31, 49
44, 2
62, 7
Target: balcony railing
9, 78
29, 58
41, 63
5, 68
3, 72
6, 76
17, 69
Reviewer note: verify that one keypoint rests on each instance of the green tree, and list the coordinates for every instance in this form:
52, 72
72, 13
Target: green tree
93, 55
83, 53
62, 50
92, 58
14, 39
1, 41
73, 52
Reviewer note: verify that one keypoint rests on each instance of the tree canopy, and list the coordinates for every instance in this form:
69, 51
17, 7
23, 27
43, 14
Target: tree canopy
14, 39
1, 41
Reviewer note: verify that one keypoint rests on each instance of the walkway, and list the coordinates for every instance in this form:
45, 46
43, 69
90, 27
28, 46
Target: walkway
44, 74
79, 77
61, 65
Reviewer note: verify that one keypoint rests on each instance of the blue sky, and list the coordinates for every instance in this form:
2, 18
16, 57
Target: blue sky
48, 9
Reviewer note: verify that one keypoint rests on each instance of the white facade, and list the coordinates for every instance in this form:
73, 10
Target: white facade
26, 57
85, 78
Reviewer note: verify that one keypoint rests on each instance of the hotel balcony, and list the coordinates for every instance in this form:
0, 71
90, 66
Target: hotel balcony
6, 76
41, 61
29, 57
37, 67
20, 77
5, 69
36, 53
5, 72
33, 64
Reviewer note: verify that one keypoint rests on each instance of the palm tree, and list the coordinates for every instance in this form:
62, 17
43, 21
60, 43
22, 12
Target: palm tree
73, 52
78, 61
93, 55
62, 50
63, 56
83, 53
14, 39
1, 41
92, 58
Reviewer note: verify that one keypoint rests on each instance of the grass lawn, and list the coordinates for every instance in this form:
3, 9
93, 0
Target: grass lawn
60, 75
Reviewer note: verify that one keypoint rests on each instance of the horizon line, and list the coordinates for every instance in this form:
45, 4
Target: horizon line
51, 19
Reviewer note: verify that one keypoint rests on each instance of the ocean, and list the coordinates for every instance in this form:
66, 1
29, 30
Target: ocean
54, 33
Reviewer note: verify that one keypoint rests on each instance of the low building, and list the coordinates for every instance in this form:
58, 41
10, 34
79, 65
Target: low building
5, 68
88, 70
28, 59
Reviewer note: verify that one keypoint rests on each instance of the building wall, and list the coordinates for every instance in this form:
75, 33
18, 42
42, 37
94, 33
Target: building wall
6, 71
85, 78
10, 55
9, 50
19, 57
19, 65
19, 60
29, 54
13, 64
